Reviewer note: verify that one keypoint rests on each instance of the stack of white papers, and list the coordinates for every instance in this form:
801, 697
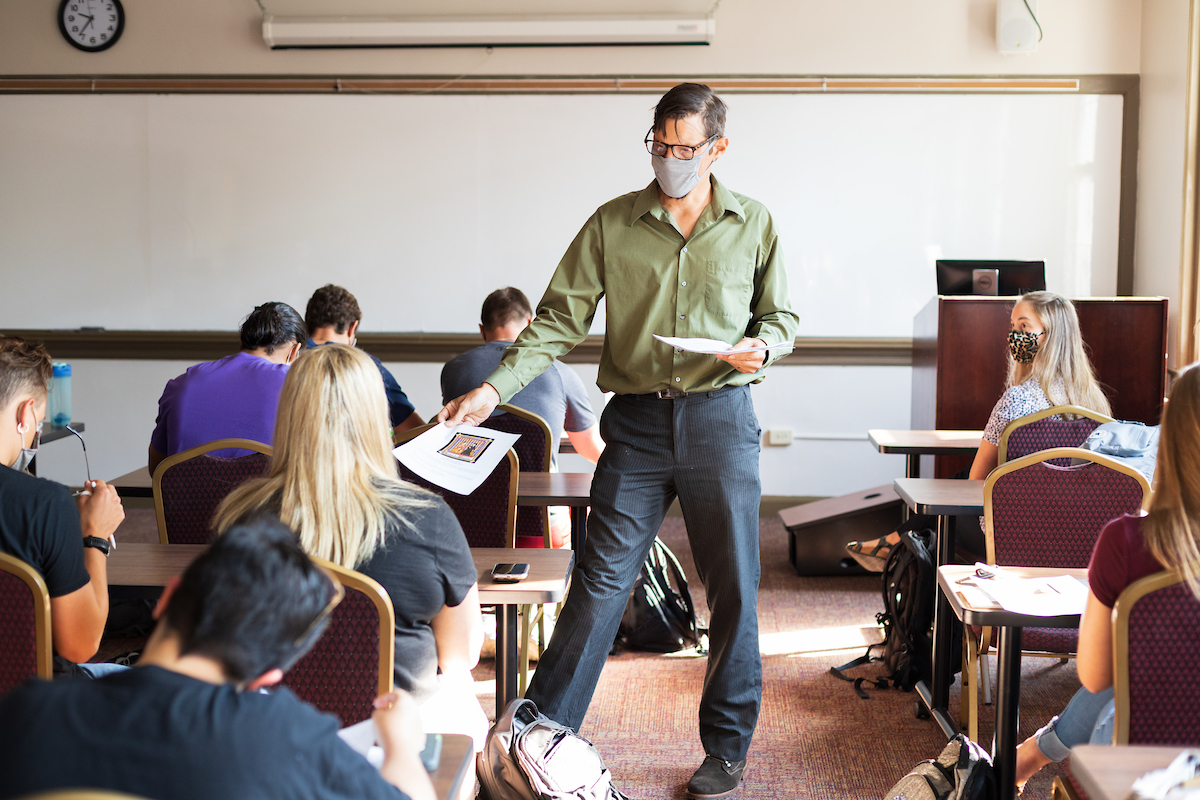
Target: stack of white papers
458, 459
712, 346
1056, 596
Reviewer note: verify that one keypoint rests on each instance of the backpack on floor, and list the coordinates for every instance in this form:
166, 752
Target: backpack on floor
962, 772
659, 616
909, 596
529, 756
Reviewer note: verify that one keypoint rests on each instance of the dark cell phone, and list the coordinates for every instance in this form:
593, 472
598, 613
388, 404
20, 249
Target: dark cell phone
431, 756
510, 573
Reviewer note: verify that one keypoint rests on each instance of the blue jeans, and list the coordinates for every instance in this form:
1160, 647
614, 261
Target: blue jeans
1088, 718
99, 670
704, 449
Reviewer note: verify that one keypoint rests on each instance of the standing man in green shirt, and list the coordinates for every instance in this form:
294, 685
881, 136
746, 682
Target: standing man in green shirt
683, 257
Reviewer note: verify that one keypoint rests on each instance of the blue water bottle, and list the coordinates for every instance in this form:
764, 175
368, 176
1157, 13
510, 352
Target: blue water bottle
60, 395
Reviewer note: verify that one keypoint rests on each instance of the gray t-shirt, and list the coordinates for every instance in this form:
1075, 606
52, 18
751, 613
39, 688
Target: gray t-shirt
557, 395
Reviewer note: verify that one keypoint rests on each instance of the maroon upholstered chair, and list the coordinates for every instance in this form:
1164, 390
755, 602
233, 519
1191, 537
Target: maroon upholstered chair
353, 661
534, 452
1039, 514
488, 515
190, 485
1156, 636
1057, 426
25, 643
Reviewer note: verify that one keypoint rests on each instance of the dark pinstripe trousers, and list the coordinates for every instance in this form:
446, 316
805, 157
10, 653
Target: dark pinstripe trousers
704, 449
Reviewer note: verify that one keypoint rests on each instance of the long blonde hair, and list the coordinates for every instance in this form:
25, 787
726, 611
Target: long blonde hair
1061, 366
1172, 525
333, 478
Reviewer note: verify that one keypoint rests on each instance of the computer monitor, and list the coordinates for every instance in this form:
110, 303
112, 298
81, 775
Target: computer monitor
1004, 278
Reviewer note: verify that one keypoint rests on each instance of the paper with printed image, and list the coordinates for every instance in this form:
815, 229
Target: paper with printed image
712, 346
458, 459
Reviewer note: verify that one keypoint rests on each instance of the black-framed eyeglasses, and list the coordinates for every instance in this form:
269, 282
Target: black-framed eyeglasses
86, 466
682, 152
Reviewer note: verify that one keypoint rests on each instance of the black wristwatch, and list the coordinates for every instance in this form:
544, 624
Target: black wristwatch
100, 544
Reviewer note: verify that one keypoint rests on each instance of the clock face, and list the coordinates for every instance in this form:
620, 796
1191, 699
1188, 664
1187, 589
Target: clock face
91, 25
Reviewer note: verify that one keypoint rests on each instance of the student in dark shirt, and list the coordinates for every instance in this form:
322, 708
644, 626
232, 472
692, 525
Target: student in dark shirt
189, 721
65, 540
333, 316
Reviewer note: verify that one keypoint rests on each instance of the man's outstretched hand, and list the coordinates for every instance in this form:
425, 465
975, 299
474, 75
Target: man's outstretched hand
472, 408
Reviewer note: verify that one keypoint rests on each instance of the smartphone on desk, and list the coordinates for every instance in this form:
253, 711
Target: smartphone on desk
510, 573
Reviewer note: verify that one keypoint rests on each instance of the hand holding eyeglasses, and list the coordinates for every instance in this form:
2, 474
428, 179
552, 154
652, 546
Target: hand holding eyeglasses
100, 509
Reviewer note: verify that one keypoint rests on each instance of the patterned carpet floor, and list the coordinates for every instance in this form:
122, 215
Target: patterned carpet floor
815, 737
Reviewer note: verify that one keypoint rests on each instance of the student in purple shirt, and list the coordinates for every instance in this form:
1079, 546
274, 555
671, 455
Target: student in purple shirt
235, 396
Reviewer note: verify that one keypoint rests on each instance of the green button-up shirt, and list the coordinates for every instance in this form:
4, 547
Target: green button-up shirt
725, 282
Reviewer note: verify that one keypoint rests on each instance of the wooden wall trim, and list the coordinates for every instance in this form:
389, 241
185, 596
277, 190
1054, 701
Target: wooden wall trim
406, 84
424, 348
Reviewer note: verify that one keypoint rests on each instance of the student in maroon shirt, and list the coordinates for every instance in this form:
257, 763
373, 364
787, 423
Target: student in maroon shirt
235, 396
1129, 548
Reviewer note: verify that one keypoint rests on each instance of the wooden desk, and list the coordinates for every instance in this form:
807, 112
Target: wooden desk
944, 498
914, 444
457, 753
134, 484
155, 564
573, 489
547, 583
1008, 658
1108, 773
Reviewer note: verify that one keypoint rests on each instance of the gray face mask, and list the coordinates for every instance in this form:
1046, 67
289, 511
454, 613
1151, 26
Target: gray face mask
675, 176
27, 453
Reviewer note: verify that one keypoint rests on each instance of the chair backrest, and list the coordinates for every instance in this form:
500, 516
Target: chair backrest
190, 485
535, 450
1057, 426
25, 641
1156, 638
488, 515
1039, 514
354, 660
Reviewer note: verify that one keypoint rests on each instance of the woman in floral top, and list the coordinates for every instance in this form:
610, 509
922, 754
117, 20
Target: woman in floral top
1047, 366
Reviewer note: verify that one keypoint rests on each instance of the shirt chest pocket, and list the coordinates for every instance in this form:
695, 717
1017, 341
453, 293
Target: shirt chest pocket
729, 288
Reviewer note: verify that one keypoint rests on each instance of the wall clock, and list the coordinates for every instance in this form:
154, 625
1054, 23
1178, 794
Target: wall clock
91, 25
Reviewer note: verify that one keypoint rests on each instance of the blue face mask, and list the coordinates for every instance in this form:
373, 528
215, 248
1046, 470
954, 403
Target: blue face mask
27, 453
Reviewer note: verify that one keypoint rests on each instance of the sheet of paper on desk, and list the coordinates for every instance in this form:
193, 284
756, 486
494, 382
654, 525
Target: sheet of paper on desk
458, 459
363, 739
1056, 596
712, 346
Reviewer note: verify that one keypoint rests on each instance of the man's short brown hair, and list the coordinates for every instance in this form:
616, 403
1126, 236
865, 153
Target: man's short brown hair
503, 307
331, 307
24, 367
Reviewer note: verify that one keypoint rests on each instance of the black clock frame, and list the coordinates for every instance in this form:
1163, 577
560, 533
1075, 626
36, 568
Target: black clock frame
62, 27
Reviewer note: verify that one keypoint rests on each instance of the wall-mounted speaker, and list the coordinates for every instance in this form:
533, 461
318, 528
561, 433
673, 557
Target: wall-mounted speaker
1016, 26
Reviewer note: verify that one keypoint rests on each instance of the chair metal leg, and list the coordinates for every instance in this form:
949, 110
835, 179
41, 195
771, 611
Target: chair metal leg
985, 678
1062, 790
975, 666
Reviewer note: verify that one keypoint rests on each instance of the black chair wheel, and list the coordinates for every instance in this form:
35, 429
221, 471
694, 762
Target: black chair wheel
919, 710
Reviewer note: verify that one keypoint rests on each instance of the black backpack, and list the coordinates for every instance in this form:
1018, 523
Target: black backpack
963, 771
909, 594
660, 617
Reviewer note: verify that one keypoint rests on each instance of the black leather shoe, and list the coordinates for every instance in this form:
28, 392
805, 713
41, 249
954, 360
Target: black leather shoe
716, 778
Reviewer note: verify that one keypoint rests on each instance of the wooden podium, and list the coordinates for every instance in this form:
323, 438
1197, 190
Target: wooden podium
960, 361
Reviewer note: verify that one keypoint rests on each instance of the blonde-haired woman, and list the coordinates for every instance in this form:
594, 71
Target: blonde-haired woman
1129, 548
333, 480
1047, 366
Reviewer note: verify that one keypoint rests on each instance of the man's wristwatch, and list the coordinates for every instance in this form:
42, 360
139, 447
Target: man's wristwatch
102, 545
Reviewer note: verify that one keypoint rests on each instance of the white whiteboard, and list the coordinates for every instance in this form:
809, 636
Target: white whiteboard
182, 212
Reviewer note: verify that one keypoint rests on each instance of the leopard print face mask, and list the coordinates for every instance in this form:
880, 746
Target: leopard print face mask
1023, 345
